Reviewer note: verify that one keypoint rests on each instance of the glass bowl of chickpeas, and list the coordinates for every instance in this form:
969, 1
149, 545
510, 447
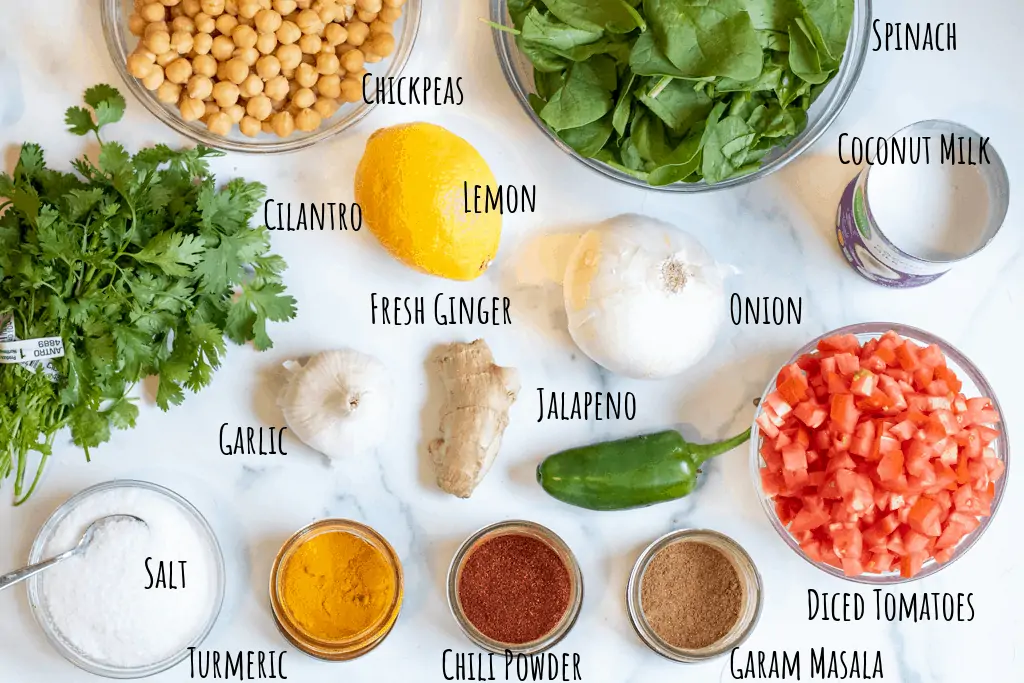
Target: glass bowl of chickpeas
258, 76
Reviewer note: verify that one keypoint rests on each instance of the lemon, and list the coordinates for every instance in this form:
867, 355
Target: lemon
411, 185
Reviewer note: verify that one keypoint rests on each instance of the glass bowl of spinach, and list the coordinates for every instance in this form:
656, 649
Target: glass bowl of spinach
679, 95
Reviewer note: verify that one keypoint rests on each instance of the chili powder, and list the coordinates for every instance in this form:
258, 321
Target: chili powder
514, 588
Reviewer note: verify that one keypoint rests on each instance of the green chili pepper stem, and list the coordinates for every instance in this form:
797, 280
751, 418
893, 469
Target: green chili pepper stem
701, 453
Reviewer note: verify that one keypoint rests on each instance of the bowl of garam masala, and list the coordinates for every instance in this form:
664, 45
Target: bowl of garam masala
693, 595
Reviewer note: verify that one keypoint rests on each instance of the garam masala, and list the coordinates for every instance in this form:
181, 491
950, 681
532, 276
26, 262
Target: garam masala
336, 585
691, 594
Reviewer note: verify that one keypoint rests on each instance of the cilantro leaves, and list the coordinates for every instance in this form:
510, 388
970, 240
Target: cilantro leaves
142, 265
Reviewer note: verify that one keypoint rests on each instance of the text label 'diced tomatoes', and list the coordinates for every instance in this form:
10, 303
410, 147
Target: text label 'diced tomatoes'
873, 457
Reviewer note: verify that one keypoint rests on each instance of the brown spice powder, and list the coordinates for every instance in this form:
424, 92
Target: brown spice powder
514, 588
691, 594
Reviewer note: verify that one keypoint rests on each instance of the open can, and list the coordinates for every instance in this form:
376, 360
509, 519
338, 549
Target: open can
887, 251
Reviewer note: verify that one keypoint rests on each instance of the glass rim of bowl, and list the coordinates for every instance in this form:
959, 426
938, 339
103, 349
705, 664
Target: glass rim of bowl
646, 632
844, 82
360, 643
553, 541
1002, 442
116, 34
43, 537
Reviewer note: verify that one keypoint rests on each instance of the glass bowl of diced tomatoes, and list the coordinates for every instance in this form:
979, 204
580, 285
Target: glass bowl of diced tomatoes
880, 453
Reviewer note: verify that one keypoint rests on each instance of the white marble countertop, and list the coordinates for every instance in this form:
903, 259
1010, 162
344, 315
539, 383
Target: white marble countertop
779, 232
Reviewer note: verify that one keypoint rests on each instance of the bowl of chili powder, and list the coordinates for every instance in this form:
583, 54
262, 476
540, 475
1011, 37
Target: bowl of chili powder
515, 586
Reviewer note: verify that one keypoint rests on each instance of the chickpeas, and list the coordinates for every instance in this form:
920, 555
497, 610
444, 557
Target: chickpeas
152, 12
249, 55
283, 124
244, 36
358, 32
202, 43
191, 109
137, 25
199, 87
268, 21
168, 93
335, 34
288, 33
223, 48
204, 23
183, 23
351, 90
226, 23
219, 123
181, 42
235, 112
225, 93
306, 75
325, 107
267, 66
250, 126
352, 60
310, 44
179, 71
204, 65
158, 42
248, 8
327, 64
212, 7
266, 43
304, 98
259, 107
307, 120
290, 56
276, 88
251, 86
139, 64
285, 7
309, 22
235, 70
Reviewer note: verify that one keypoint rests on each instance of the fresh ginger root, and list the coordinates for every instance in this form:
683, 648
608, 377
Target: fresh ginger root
473, 417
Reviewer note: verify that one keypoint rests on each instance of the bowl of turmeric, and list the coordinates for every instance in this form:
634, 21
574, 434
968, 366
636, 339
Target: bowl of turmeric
336, 589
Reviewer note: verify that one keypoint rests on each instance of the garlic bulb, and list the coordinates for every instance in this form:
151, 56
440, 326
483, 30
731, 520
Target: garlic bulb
643, 298
338, 403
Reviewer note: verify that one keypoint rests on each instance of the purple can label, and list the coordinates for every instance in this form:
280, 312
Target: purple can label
868, 250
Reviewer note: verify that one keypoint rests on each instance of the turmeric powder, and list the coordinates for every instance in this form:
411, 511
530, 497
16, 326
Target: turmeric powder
336, 585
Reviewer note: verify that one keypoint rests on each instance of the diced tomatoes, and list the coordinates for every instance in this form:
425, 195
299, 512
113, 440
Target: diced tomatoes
873, 459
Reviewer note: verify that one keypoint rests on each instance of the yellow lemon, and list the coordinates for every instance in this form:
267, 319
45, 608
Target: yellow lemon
411, 185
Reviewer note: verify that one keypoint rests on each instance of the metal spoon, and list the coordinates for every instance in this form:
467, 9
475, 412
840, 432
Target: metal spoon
20, 575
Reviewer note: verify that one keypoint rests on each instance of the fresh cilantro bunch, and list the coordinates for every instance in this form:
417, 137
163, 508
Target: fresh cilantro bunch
141, 265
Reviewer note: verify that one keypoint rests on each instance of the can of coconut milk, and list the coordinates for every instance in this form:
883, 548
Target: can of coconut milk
934, 194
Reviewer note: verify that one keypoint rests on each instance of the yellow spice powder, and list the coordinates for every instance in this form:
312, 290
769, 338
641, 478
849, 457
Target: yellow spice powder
337, 585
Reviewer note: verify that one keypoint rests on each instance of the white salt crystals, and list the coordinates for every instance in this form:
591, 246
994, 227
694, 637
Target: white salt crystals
140, 594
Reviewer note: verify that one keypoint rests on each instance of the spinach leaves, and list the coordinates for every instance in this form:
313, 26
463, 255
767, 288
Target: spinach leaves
680, 90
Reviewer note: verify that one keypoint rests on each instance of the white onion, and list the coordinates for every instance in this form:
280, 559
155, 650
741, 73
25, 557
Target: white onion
644, 299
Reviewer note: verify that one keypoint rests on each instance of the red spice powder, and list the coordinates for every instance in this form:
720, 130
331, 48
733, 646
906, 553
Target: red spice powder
514, 588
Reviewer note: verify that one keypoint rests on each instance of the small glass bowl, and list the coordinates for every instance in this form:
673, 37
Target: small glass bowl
120, 43
519, 528
519, 74
359, 644
750, 611
974, 384
35, 596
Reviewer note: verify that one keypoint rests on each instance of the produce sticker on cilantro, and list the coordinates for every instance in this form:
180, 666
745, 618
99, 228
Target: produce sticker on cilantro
700, 90
134, 265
